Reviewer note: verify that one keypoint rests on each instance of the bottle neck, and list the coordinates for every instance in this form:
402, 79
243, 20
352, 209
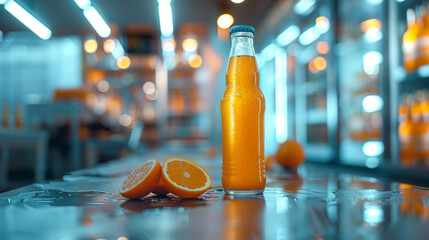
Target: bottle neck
242, 44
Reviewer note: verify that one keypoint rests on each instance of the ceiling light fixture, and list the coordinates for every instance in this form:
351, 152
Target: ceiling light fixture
165, 18
123, 62
190, 45
28, 20
237, 1
83, 4
90, 46
289, 35
225, 21
97, 22
118, 51
109, 45
168, 45
309, 36
304, 7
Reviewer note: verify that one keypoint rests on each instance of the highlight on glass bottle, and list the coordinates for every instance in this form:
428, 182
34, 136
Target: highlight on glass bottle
242, 108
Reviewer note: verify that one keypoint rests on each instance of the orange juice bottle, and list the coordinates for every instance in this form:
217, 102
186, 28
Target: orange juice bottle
418, 127
423, 38
425, 116
18, 117
243, 107
5, 116
409, 42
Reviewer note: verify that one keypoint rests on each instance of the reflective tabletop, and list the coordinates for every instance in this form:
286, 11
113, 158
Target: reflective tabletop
312, 202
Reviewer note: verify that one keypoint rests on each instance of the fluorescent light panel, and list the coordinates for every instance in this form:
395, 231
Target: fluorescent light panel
281, 96
83, 4
269, 51
28, 20
97, 22
288, 35
165, 18
118, 51
309, 36
303, 6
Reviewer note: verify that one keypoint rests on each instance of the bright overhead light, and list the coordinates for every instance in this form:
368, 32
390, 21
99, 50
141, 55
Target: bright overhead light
168, 45
309, 36
375, 2
281, 101
28, 20
373, 148
118, 51
90, 46
320, 63
165, 18
269, 52
304, 6
190, 45
372, 103
322, 24
371, 62
109, 45
83, 4
123, 62
237, 1
97, 21
225, 21
3, 1
288, 35
195, 61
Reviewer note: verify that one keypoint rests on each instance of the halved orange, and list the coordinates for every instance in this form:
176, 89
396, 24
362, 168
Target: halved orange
142, 180
160, 188
185, 178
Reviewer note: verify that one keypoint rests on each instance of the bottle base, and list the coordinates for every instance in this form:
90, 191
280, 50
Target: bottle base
245, 192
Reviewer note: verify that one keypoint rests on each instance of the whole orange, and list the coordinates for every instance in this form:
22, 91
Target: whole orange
290, 154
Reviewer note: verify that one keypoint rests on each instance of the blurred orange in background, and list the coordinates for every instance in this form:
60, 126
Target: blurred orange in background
290, 154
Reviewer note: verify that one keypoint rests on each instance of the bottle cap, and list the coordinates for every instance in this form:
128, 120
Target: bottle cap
241, 28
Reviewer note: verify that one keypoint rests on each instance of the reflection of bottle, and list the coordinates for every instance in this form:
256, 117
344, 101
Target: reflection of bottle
18, 117
425, 110
405, 132
423, 38
5, 116
242, 107
243, 218
419, 126
413, 201
409, 42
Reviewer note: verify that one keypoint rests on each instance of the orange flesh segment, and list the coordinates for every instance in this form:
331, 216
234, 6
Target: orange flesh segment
186, 175
136, 176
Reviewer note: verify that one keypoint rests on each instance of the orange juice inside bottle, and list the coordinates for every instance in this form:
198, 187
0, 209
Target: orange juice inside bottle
418, 131
423, 39
243, 107
425, 109
409, 42
405, 130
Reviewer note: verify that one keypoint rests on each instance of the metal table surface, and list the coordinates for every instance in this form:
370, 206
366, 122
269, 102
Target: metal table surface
311, 203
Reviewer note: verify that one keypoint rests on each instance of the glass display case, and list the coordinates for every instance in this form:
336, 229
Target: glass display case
296, 72
356, 80
360, 54
411, 79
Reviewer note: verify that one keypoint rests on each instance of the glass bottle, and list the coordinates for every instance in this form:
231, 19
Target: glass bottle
409, 42
423, 38
242, 108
